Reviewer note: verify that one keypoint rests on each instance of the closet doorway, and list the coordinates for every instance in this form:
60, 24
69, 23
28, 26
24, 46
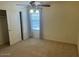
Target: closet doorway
4, 35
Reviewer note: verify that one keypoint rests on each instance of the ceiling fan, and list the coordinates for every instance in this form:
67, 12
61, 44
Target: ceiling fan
35, 4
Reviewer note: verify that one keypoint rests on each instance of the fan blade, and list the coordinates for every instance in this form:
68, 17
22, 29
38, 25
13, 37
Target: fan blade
44, 5
21, 5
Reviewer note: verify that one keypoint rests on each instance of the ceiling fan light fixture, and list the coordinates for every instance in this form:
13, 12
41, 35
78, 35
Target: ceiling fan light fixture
37, 3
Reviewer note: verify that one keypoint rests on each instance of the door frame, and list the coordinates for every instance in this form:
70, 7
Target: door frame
41, 24
21, 24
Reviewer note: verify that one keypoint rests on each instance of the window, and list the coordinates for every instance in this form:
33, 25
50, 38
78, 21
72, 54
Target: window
35, 19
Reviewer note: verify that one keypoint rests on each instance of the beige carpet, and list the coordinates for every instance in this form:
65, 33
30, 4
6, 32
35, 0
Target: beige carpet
41, 48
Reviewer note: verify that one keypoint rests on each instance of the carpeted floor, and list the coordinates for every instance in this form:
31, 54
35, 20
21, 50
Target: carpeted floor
39, 48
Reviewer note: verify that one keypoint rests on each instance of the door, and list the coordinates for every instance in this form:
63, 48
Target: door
14, 27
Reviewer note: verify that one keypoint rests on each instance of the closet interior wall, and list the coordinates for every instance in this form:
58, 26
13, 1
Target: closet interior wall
4, 36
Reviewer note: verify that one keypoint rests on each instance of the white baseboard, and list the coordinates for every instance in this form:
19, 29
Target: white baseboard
61, 41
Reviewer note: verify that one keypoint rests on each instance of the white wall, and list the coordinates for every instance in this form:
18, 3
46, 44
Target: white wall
60, 22
24, 20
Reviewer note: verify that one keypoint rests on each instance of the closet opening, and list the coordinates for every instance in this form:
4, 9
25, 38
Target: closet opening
4, 34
